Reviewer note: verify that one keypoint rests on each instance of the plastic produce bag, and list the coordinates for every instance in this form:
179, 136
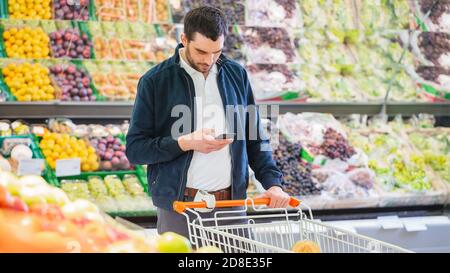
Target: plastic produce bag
363, 177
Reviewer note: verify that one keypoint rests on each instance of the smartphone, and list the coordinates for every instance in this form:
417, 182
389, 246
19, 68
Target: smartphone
226, 136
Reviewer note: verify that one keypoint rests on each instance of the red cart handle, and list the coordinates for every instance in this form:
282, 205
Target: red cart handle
180, 207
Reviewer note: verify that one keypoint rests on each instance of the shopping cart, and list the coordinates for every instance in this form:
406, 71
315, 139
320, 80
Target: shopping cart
271, 230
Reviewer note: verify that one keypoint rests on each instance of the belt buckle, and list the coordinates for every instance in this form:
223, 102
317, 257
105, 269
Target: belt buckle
204, 196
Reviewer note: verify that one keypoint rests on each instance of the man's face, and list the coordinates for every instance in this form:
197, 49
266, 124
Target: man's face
202, 52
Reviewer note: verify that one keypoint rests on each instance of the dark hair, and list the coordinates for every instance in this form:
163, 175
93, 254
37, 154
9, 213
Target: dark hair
208, 21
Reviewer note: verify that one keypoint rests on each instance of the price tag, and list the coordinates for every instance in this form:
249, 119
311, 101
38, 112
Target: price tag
30, 166
68, 167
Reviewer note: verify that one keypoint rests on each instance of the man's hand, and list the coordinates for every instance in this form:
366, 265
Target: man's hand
202, 141
278, 198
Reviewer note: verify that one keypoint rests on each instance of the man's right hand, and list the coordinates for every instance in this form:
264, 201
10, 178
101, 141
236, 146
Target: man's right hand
202, 141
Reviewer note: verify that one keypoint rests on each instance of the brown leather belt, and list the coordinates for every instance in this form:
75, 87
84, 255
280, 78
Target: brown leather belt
224, 194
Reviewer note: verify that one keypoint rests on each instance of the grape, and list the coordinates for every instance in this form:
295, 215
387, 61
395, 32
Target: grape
274, 37
437, 8
297, 175
114, 186
97, 187
132, 185
336, 146
233, 46
432, 73
433, 45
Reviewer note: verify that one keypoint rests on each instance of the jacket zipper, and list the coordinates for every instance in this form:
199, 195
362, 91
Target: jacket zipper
188, 161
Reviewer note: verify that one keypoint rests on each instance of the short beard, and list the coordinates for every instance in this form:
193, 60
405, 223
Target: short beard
190, 61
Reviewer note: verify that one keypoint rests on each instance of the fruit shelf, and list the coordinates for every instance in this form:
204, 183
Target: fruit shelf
46, 173
122, 110
138, 172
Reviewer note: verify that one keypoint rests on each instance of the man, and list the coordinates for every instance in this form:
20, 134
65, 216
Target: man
198, 77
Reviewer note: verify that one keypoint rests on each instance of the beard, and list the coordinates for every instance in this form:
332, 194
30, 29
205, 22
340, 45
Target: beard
200, 67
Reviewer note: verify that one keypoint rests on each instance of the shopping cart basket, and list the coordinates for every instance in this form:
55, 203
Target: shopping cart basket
271, 230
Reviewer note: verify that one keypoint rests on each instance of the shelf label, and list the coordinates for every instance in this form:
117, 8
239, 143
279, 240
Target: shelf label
30, 166
68, 167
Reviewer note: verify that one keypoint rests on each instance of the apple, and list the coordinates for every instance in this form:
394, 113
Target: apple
17, 204
171, 242
5, 197
33, 195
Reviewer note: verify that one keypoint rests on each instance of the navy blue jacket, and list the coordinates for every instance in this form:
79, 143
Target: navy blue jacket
149, 139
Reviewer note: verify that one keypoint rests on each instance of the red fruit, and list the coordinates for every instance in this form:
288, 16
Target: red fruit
67, 36
5, 197
71, 69
17, 204
122, 148
115, 235
50, 211
86, 81
118, 154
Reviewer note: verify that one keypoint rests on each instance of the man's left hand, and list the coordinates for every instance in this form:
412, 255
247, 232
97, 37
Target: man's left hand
278, 198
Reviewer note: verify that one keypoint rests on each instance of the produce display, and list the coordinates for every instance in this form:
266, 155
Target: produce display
26, 42
74, 82
67, 10
297, 174
266, 13
117, 81
339, 169
434, 144
17, 127
112, 154
29, 82
137, 42
19, 9
234, 10
364, 14
37, 217
268, 45
438, 17
435, 46
110, 193
70, 43
282, 78
57, 146
353, 65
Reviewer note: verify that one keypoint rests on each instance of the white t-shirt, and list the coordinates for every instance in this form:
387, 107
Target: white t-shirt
209, 172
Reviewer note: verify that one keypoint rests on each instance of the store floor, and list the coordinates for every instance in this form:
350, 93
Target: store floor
418, 234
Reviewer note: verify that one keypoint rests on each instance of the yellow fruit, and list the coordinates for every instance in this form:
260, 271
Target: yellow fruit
306, 247
26, 84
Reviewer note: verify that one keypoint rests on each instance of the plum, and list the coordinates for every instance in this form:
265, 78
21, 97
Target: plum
84, 98
115, 161
71, 69
106, 165
110, 139
101, 146
122, 148
76, 98
108, 156
89, 91
118, 154
74, 91
83, 93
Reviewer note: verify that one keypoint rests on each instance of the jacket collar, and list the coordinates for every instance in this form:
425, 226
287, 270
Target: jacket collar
176, 58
